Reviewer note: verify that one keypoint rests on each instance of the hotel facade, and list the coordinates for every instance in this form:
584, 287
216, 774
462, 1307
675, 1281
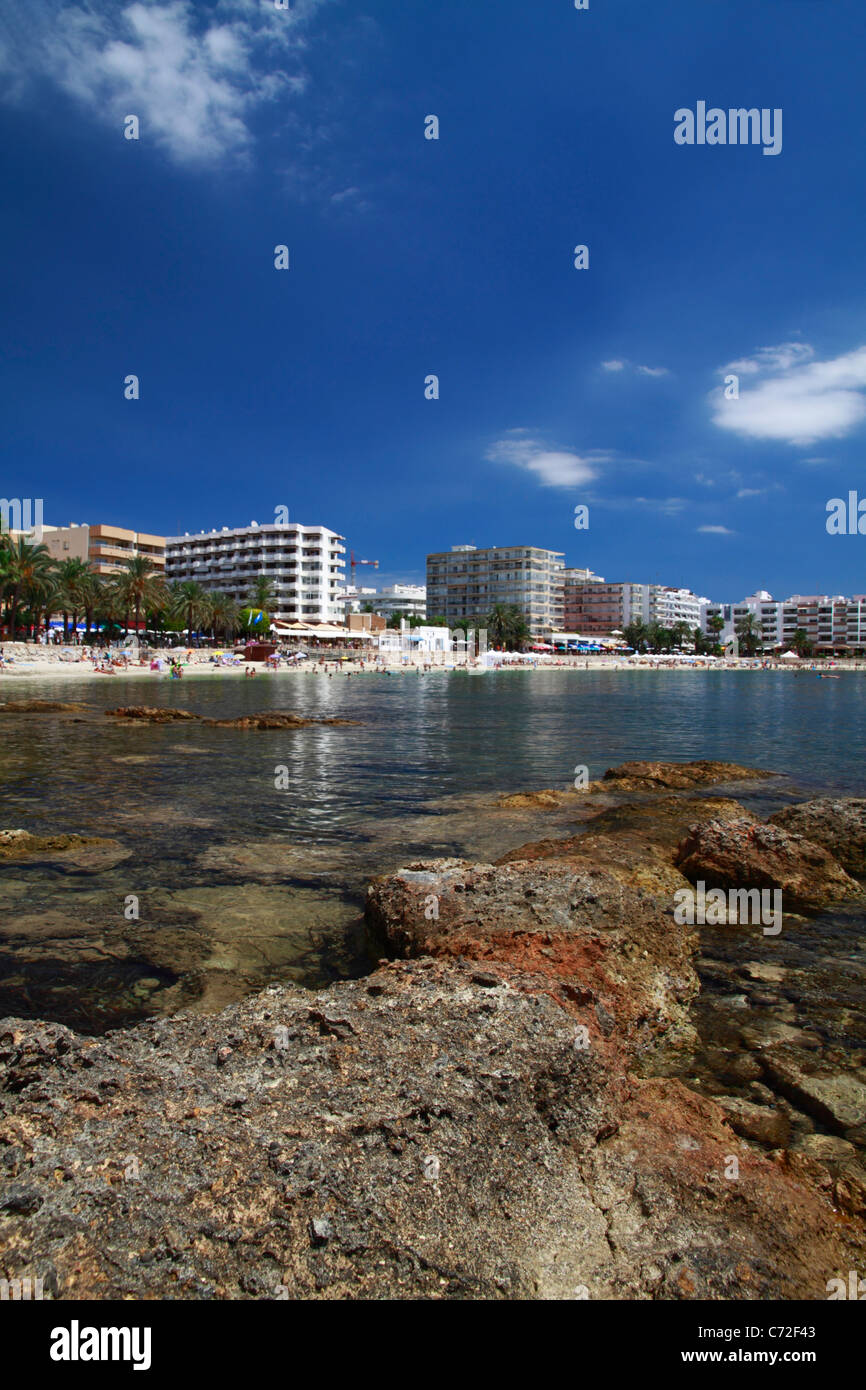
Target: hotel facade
305, 564
596, 608
465, 583
832, 623
105, 548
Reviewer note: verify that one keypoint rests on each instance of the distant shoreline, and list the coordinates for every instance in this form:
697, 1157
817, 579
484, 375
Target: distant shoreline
48, 667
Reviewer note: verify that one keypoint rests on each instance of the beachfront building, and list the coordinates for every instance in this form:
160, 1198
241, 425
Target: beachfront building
306, 566
597, 608
355, 598
573, 581
409, 600
404, 640
105, 547
832, 623
465, 583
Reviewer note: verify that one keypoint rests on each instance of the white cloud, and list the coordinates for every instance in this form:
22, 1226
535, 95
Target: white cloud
716, 531
795, 399
194, 75
553, 467
752, 491
617, 364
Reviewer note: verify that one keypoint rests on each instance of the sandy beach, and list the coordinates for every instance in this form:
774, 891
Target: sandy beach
58, 664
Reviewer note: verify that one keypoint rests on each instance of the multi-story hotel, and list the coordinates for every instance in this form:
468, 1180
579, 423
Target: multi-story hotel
105, 547
465, 583
831, 623
306, 565
595, 608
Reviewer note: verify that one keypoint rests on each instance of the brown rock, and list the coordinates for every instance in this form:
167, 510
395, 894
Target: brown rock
836, 823
151, 714
745, 854
680, 776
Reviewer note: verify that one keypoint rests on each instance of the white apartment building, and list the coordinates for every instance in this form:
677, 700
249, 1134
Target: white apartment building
831, 622
408, 599
306, 565
669, 606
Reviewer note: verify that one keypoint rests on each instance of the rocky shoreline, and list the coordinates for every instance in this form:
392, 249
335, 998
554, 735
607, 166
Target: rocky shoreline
514, 1105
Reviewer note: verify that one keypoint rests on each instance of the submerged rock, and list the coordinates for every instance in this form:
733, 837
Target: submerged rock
151, 713
748, 854
651, 776
274, 719
41, 707
836, 823
91, 851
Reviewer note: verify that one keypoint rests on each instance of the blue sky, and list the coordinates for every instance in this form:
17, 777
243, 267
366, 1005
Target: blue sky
305, 388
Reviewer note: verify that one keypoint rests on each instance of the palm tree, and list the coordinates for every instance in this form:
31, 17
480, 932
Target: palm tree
801, 643
138, 586
749, 634
682, 634
89, 590
224, 615
635, 634
46, 596
506, 626
70, 574
192, 604
659, 638
26, 568
261, 595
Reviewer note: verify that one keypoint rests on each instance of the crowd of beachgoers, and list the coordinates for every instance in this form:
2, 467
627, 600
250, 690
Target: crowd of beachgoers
53, 662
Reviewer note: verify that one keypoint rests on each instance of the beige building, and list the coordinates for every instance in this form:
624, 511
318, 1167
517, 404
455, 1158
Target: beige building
465, 583
105, 547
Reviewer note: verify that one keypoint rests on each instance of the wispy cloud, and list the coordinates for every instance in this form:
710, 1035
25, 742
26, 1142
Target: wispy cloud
193, 74
620, 364
553, 467
794, 398
716, 531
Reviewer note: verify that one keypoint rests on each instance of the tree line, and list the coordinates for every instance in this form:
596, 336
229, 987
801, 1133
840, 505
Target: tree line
34, 586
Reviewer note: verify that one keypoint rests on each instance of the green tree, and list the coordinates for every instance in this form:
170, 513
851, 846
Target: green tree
749, 635
26, 567
71, 574
635, 635
138, 587
801, 643
261, 593
224, 616
254, 622
506, 627
190, 604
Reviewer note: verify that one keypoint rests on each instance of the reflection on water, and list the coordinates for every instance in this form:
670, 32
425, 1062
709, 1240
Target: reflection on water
240, 883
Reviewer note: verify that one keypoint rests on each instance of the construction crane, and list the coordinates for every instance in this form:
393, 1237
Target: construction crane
353, 563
